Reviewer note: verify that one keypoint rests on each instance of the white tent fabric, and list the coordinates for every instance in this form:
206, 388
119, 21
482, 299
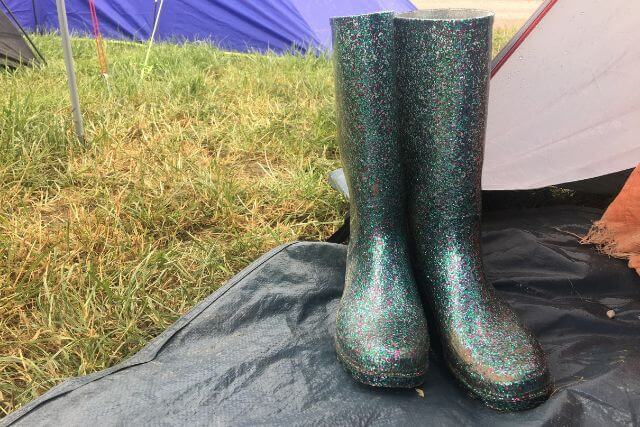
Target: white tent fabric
565, 100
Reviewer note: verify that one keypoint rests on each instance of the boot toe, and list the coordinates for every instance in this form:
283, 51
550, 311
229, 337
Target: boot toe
382, 366
521, 390
505, 380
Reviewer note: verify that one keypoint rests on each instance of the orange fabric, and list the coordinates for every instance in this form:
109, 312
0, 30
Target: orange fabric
618, 232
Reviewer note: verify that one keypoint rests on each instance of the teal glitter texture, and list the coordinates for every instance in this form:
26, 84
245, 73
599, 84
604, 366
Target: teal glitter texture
381, 331
443, 81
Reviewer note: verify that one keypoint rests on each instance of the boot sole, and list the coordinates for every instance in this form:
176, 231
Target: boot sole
378, 379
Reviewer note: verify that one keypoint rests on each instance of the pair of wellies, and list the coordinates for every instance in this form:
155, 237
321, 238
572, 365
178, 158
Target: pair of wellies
412, 95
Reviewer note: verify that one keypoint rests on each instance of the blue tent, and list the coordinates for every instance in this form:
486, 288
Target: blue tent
240, 25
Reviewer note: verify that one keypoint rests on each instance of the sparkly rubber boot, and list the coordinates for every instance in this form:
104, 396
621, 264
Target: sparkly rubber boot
381, 332
443, 81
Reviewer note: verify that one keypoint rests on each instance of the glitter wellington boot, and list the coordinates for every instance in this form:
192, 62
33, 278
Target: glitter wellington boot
443, 80
381, 332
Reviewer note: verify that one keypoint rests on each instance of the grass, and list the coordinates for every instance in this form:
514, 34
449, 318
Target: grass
183, 180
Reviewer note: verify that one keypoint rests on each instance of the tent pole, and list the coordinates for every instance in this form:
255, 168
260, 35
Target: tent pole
153, 35
68, 60
35, 17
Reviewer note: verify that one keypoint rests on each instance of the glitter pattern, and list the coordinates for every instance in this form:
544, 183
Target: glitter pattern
381, 331
443, 80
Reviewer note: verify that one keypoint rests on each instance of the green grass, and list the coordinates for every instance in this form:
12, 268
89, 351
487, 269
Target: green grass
183, 180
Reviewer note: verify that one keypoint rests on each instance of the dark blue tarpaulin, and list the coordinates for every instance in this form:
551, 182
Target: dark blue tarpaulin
241, 25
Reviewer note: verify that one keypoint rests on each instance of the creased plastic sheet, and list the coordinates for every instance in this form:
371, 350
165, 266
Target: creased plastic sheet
259, 350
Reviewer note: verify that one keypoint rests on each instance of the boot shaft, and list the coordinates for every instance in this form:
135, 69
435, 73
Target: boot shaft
367, 120
443, 61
